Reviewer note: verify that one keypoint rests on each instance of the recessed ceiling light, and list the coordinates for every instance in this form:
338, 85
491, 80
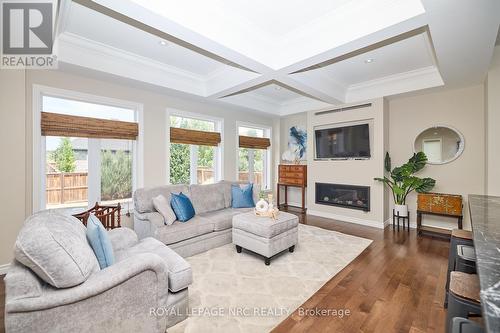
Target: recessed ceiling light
369, 61
163, 43
277, 88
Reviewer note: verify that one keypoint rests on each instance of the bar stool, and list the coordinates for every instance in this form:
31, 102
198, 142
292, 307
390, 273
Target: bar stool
462, 325
463, 297
466, 259
458, 237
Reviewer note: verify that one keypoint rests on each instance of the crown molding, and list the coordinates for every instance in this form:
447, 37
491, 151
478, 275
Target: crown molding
81, 51
422, 78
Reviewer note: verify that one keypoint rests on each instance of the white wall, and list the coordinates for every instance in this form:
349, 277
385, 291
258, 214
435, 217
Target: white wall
492, 98
13, 161
16, 139
462, 109
353, 172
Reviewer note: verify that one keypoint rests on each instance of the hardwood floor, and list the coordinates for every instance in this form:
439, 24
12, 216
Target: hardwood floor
395, 285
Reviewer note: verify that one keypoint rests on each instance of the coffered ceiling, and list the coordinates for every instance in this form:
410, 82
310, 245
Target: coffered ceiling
282, 56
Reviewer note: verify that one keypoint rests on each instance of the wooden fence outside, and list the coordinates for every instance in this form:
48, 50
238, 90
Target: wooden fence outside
72, 187
66, 187
206, 176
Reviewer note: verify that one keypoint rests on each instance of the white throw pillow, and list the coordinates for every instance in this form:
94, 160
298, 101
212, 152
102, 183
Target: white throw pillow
162, 206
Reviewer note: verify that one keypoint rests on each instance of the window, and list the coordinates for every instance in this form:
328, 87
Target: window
253, 158
195, 153
79, 171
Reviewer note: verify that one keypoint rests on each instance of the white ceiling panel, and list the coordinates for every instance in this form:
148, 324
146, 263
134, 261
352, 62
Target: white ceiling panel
98, 27
407, 55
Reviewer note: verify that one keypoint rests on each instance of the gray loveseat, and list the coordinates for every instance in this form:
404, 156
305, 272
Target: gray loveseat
55, 283
211, 227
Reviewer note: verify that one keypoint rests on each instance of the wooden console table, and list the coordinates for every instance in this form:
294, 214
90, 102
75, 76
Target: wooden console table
439, 204
292, 176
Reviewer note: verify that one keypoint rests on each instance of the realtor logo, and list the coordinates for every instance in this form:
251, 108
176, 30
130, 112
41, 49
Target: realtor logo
27, 34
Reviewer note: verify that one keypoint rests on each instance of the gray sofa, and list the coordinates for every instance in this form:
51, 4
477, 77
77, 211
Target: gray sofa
55, 283
210, 228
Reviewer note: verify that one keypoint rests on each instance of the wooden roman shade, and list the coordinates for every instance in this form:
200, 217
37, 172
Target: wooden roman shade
254, 143
55, 124
193, 137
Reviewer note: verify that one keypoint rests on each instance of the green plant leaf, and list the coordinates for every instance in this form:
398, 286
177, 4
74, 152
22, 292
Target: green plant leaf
425, 185
418, 161
387, 162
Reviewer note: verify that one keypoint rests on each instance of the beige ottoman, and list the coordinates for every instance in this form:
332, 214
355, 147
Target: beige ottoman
264, 235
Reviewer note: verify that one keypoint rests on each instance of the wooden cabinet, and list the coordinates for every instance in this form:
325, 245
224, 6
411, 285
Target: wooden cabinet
292, 176
440, 204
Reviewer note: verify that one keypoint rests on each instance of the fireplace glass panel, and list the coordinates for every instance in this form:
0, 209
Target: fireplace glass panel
348, 196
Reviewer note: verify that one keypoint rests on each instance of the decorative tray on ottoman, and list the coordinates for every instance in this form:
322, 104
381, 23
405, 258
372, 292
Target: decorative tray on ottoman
270, 213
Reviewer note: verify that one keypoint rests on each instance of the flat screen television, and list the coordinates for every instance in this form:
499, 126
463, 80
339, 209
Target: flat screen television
343, 142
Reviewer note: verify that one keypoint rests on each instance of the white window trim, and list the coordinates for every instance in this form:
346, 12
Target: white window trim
219, 151
268, 133
38, 153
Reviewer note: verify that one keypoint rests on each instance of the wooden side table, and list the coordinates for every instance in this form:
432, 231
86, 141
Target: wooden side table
438, 204
292, 176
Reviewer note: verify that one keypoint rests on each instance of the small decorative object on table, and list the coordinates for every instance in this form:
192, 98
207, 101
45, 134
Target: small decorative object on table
266, 208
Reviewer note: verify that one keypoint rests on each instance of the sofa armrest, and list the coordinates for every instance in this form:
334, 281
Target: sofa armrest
98, 283
145, 224
122, 238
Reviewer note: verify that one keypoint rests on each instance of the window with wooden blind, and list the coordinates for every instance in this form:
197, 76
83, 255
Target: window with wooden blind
254, 155
195, 155
89, 152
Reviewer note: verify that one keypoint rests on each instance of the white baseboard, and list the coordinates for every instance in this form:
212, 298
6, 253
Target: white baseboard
4, 268
350, 219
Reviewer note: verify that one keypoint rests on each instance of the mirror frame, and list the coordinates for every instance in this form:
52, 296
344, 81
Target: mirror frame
461, 147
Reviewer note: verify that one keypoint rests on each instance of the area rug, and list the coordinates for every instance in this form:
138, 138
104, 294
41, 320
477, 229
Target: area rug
237, 292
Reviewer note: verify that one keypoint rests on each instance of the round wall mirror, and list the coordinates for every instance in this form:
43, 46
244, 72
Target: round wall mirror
441, 144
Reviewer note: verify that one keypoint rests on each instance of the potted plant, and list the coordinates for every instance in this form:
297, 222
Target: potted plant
402, 180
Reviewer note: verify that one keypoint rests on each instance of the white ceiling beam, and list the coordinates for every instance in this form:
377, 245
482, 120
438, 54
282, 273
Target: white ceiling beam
364, 44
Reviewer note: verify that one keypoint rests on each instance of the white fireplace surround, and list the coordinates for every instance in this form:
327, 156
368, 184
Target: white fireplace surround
352, 172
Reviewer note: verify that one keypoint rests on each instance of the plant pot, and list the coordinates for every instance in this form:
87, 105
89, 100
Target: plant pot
401, 210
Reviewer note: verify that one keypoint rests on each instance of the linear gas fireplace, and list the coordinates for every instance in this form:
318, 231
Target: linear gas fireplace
348, 196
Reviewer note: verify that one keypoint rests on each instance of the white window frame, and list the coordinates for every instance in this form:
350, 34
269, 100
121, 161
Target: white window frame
39, 143
268, 133
219, 150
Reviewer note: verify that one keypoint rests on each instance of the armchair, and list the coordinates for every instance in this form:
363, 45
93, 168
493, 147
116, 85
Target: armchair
119, 298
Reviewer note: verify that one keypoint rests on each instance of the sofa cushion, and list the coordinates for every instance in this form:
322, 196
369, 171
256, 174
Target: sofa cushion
180, 275
143, 197
100, 242
242, 196
162, 206
207, 198
182, 206
55, 247
223, 219
180, 231
227, 191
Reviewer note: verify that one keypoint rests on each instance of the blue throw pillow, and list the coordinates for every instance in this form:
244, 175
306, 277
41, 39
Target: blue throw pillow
242, 197
182, 206
100, 242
